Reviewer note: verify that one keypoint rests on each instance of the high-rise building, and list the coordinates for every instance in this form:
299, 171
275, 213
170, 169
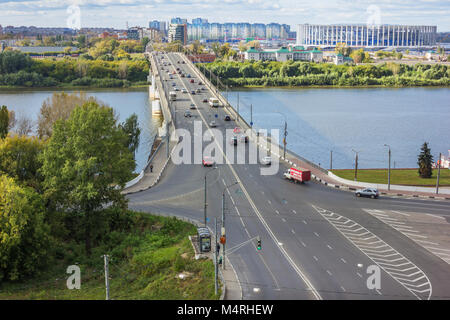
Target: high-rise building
178, 32
366, 35
158, 25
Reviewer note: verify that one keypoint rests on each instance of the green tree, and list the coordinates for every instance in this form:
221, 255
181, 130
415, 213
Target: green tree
131, 128
4, 122
86, 164
145, 41
24, 235
425, 161
343, 49
19, 159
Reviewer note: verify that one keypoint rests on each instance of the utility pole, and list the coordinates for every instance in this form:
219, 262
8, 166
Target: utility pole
223, 229
167, 143
238, 105
439, 172
331, 160
106, 259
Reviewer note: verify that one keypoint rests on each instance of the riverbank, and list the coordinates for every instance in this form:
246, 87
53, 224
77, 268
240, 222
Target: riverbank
66, 86
147, 256
407, 177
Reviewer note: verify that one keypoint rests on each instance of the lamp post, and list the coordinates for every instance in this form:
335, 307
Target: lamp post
285, 134
223, 221
205, 203
389, 170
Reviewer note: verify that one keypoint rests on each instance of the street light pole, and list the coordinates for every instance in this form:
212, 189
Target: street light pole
356, 164
439, 172
389, 170
205, 203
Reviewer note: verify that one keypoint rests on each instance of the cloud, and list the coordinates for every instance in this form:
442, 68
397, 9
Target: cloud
115, 13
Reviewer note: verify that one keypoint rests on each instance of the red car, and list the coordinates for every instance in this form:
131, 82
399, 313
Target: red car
208, 162
192, 81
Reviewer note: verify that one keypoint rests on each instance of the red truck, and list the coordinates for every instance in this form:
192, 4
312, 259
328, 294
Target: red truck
298, 175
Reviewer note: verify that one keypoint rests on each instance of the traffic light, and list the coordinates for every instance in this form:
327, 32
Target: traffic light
258, 245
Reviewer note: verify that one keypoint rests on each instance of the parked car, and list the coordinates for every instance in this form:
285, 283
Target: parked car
176, 89
198, 91
368, 192
187, 114
267, 160
192, 80
227, 118
188, 76
193, 106
192, 91
205, 100
213, 124
208, 162
184, 90
200, 83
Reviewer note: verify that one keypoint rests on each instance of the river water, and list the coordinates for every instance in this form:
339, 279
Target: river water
125, 102
363, 119
318, 120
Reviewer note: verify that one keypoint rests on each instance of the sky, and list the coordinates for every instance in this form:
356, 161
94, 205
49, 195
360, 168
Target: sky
116, 13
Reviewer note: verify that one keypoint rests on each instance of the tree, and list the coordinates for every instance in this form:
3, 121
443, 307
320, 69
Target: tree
19, 159
24, 126
425, 161
24, 235
86, 164
12, 61
131, 128
59, 107
145, 41
4, 122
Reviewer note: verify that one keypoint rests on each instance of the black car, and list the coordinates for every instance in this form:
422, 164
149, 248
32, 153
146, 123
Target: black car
234, 141
227, 118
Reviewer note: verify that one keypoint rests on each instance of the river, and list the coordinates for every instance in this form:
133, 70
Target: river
363, 119
124, 102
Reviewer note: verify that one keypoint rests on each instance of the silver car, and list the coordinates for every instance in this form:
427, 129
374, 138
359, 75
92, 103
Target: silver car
368, 192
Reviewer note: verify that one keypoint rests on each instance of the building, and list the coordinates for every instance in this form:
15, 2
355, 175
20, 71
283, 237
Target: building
294, 53
133, 34
178, 32
161, 26
366, 35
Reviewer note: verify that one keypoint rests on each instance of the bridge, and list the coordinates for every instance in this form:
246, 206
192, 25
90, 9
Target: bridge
318, 242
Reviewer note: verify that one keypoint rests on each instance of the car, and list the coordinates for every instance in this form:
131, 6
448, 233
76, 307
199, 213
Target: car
234, 141
200, 83
187, 114
267, 160
208, 162
188, 76
182, 75
193, 92
192, 80
193, 106
244, 138
368, 192
198, 91
184, 90
178, 61
183, 62
173, 84
205, 100
204, 89
178, 69
237, 130
213, 124
227, 118
170, 77
176, 89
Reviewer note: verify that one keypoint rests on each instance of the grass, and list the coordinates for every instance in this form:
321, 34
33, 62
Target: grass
398, 176
145, 264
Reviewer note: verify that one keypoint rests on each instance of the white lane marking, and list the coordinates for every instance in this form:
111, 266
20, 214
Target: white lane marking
261, 218
328, 271
402, 213
277, 211
343, 260
315, 258
294, 211
270, 202
256, 290
343, 289
359, 274
293, 231
304, 222
317, 235
329, 247
303, 244
283, 219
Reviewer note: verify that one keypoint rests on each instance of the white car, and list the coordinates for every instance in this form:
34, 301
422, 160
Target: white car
184, 90
213, 124
266, 160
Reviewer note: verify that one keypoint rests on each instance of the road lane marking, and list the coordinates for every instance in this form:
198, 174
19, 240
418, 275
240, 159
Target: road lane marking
315, 258
388, 262
343, 260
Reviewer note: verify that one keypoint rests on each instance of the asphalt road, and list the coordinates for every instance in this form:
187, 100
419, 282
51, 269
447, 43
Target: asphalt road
317, 242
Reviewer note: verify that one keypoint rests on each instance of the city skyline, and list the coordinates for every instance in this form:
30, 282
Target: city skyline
116, 13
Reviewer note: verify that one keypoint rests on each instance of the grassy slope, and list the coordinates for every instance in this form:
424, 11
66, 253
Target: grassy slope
144, 265
398, 176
